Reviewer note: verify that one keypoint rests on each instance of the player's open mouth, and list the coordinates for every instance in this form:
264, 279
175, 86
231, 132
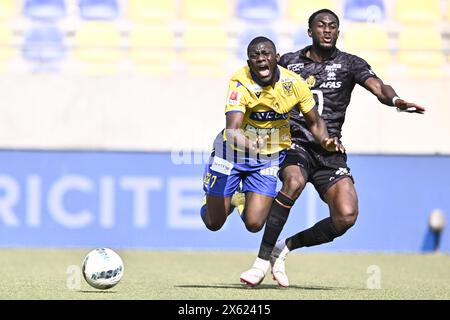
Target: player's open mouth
327, 39
264, 71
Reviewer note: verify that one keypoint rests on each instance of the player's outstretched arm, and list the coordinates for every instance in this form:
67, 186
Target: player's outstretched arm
386, 95
319, 130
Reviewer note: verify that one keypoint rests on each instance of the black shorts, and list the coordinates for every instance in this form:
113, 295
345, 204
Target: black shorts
322, 168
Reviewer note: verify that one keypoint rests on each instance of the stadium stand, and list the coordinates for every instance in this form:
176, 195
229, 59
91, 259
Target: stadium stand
98, 46
205, 11
298, 11
418, 11
420, 49
370, 41
152, 11
151, 48
364, 10
45, 9
206, 50
8, 9
6, 47
284, 21
448, 11
44, 44
248, 34
99, 9
258, 10
301, 38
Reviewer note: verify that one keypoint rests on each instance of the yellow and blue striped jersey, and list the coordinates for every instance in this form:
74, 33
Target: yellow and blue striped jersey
266, 109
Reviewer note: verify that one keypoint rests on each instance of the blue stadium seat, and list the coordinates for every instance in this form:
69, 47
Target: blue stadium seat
301, 39
99, 9
44, 44
249, 34
257, 10
364, 10
45, 9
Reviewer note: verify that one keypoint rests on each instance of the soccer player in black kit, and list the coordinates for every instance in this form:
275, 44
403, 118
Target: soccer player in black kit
331, 75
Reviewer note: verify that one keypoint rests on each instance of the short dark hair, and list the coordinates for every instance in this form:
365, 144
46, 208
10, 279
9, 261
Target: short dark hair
315, 14
259, 40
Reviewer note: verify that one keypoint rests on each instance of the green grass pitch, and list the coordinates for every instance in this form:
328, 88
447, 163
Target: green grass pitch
185, 275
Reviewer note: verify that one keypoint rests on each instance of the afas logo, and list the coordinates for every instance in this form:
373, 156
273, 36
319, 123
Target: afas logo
331, 85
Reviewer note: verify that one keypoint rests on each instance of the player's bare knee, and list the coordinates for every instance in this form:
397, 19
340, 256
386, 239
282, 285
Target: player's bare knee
293, 186
345, 220
254, 226
213, 225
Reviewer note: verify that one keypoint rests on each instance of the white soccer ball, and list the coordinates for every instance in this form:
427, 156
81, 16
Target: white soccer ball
102, 268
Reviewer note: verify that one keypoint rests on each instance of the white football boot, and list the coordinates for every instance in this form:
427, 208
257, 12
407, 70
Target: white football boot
255, 275
277, 261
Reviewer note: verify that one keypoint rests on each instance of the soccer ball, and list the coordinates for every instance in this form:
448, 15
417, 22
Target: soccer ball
102, 268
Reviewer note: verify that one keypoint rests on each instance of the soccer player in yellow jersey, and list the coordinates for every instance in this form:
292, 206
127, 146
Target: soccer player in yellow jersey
253, 145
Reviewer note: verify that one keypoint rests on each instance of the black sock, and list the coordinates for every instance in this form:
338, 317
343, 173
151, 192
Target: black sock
322, 232
276, 219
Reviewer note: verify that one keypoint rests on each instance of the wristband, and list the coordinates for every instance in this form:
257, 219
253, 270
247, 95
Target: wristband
394, 99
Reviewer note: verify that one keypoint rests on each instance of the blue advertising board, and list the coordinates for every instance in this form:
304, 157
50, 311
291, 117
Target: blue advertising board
152, 200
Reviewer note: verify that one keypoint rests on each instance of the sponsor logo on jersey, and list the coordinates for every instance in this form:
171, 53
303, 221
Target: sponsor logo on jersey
333, 67
263, 132
256, 88
268, 116
341, 172
295, 67
287, 88
331, 85
331, 76
222, 166
234, 98
311, 81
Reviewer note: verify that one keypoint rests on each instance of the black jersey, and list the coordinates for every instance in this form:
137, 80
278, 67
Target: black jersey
331, 83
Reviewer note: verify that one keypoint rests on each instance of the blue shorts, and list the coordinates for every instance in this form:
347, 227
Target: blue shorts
222, 177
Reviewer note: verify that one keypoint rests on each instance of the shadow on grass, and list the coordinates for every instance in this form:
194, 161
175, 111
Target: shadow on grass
262, 287
97, 291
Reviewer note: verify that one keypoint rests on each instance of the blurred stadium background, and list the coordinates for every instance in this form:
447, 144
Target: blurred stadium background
108, 108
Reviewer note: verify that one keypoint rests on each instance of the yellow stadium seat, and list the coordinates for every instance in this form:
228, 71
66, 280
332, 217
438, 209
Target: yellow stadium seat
152, 10
448, 11
6, 42
98, 45
370, 42
8, 9
152, 48
6, 47
421, 50
206, 49
299, 11
418, 11
199, 11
